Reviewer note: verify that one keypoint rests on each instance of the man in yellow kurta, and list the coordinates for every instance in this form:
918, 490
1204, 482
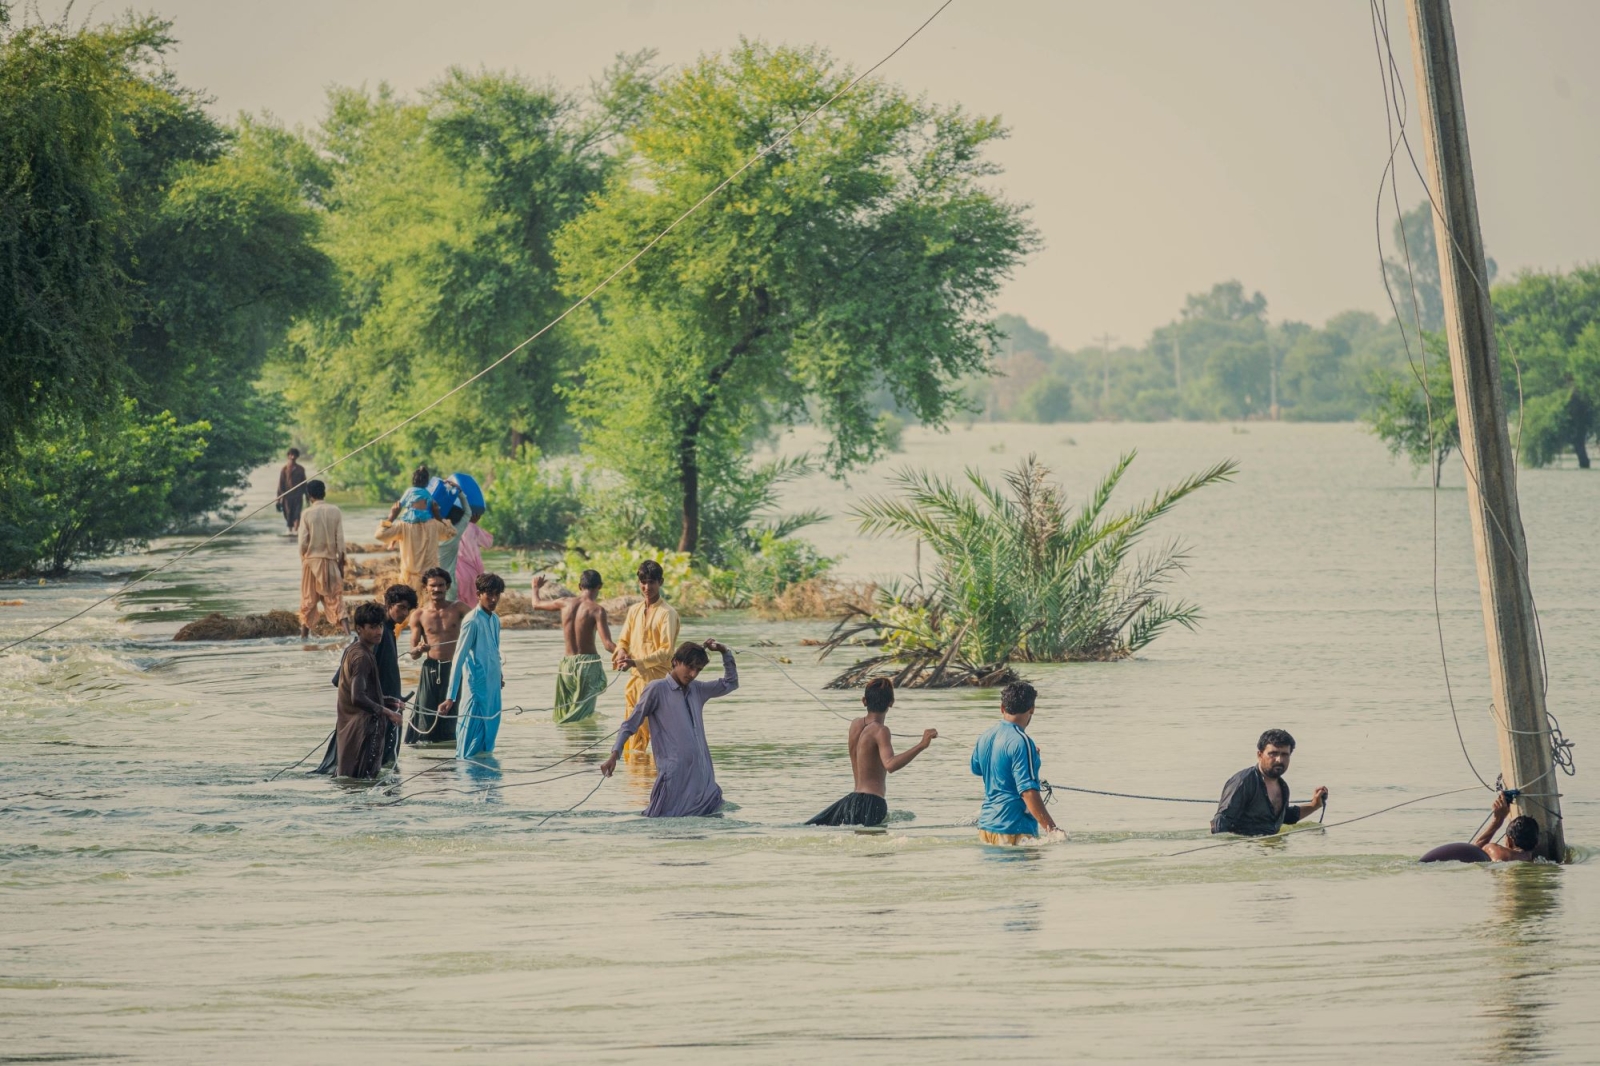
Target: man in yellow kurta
419, 546
649, 637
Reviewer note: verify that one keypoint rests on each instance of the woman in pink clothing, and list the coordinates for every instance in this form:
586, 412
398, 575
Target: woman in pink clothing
469, 561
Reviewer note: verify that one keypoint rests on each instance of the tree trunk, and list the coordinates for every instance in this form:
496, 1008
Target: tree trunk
1582, 448
689, 484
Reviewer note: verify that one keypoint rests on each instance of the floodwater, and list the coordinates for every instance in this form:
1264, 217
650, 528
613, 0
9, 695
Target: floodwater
163, 901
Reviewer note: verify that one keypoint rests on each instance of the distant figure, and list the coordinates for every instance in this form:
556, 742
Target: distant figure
686, 782
872, 760
477, 670
435, 630
1255, 801
459, 518
1522, 836
469, 557
581, 677
649, 634
416, 506
291, 496
1008, 761
321, 561
363, 711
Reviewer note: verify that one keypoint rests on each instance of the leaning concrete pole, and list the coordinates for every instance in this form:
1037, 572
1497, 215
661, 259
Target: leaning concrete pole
1514, 667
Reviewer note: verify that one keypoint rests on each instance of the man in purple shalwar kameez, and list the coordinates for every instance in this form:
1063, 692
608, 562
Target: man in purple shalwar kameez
686, 783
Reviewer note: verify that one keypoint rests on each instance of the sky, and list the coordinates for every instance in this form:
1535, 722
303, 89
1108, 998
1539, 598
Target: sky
1162, 146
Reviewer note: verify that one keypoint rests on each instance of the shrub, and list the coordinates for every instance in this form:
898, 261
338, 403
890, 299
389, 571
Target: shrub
529, 505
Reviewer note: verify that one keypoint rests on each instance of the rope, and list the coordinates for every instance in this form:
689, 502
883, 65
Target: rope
765, 151
823, 703
575, 806
488, 788
1330, 825
321, 744
1132, 795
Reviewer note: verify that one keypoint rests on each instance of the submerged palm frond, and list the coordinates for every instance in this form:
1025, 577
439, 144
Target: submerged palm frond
1019, 577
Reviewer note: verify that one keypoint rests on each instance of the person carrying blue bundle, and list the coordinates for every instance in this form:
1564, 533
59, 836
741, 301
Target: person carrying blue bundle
1008, 761
477, 670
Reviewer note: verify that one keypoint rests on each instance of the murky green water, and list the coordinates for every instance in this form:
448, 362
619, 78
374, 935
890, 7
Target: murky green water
162, 902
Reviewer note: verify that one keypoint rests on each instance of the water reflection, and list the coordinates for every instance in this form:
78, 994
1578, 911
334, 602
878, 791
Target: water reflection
1527, 902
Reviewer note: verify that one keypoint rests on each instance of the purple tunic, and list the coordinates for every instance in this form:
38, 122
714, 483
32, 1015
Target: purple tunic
686, 784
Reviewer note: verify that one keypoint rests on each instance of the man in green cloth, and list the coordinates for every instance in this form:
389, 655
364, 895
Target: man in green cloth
581, 677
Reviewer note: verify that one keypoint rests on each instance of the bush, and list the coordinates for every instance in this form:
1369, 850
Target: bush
775, 565
85, 486
529, 505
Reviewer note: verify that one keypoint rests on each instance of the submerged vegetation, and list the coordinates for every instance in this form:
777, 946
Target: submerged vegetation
1019, 577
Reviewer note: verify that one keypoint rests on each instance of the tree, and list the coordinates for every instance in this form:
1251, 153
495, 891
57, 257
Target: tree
860, 253
1414, 243
1048, 399
441, 216
1549, 331
1417, 420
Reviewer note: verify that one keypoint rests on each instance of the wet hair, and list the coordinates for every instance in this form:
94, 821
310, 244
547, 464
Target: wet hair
400, 594
691, 654
1523, 832
491, 583
1279, 737
420, 476
316, 489
369, 614
879, 694
589, 579
1018, 698
650, 570
436, 571
294, 453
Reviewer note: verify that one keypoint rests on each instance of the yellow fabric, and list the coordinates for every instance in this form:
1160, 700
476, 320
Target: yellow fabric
419, 546
649, 637
321, 531
1009, 840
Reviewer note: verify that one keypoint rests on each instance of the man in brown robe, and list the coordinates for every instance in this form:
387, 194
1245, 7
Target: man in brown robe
363, 709
291, 494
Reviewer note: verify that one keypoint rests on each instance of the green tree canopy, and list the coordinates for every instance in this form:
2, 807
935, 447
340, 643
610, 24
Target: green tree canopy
860, 253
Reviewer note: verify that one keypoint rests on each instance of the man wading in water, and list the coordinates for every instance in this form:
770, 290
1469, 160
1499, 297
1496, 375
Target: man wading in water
364, 713
435, 630
649, 634
1255, 801
580, 678
872, 760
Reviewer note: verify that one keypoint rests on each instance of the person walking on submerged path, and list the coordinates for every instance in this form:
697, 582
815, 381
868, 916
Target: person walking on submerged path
649, 634
398, 603
477, 669
364, 714
872, 760
321, 561
291, 494
418, 533
459, 519
435, 630
1255, 801
580, 678
1008, 761
686, 782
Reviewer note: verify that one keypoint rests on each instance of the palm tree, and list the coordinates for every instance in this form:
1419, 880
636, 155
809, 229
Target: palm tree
1019, 577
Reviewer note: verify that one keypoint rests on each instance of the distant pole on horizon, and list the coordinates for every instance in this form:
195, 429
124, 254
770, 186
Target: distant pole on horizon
1515, 679
1105, 340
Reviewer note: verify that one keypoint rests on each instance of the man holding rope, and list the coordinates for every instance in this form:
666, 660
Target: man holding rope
872, 760
477, 670
580, 678
435, 630
1255, 801
686, 781
1008, 761
649, 634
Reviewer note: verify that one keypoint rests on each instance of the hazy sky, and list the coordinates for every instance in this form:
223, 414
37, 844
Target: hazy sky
1163, 146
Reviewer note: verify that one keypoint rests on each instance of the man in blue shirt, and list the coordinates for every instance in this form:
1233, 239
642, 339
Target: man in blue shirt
1008, 761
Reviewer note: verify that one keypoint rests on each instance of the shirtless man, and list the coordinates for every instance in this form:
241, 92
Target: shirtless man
872, 760
434, 632
581, 677
1522, 837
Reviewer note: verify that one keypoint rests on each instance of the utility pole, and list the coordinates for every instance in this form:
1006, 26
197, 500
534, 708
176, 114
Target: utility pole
1105, 340
1502, 552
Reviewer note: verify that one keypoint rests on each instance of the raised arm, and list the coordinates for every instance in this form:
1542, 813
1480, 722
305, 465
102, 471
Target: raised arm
893, 762
544, 605
1497, 816
730, 674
